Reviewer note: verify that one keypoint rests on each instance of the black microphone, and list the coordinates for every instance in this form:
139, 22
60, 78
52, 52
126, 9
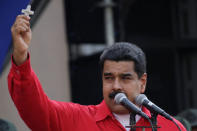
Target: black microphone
121, 98
141, 99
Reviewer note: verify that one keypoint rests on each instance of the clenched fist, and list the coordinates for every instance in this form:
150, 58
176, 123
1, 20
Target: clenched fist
21, 35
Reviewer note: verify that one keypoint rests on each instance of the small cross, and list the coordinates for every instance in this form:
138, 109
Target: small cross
28, 11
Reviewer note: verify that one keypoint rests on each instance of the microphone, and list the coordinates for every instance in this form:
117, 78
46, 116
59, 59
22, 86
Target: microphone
121, 98
141, 99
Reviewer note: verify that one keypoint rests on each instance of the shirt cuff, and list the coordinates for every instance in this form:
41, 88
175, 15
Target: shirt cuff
22, 70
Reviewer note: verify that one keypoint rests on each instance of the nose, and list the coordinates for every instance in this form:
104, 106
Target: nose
117, 85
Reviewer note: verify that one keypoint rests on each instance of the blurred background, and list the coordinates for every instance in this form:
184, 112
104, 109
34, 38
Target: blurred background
69, 36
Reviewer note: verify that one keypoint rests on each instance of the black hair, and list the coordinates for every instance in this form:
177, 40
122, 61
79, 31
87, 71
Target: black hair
125, 51
7, 126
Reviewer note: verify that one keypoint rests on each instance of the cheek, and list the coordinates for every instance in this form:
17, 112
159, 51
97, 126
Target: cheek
107, 86
142, 90
106, 90
133, 89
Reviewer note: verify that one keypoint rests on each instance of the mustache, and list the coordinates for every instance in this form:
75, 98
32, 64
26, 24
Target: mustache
113, 94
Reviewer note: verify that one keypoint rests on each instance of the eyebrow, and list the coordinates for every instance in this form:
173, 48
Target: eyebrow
126, 74
107, 74
123, 75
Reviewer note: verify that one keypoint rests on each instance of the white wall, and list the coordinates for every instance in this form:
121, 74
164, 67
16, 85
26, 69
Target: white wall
49, 59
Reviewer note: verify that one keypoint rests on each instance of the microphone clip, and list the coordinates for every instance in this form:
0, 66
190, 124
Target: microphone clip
153, 119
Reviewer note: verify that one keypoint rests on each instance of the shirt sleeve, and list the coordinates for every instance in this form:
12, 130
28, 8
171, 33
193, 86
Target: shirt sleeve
33, 105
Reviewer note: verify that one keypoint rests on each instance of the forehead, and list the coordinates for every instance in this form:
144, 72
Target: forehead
118, 66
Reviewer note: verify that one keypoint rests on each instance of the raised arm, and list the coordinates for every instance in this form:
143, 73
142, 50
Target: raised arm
25, 89
21, 35
35, 108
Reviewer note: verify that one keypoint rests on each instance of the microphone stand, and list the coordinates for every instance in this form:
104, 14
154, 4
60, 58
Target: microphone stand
154, 120
133, 121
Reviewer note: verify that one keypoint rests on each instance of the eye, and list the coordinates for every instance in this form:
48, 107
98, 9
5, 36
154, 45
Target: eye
108, 78
126, 77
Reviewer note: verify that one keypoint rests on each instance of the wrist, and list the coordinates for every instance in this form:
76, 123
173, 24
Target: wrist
19, 58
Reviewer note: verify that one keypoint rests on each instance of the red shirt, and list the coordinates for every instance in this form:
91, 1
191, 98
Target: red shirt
42, 114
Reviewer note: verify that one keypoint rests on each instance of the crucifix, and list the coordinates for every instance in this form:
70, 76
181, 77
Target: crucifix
27, 11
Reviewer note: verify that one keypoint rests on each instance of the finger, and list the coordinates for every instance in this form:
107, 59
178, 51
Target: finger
29, 29
24, 25
21, 21
21, 26
20, 29
17, 27
23, 17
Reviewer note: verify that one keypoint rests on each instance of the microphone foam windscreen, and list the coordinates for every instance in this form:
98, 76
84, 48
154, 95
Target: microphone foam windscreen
140, 98
119, 97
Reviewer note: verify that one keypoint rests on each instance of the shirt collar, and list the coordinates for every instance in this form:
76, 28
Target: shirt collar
102, 111
146, 111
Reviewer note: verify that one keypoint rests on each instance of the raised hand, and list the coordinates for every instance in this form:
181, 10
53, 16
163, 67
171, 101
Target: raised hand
21, 35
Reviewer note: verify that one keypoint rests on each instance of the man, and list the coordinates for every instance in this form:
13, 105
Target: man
123, 70
6, 125
185, 122
191, 116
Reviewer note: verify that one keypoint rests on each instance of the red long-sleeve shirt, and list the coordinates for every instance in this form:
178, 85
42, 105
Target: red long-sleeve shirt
42, 114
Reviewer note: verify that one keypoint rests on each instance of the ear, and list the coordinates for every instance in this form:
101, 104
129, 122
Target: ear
143, 81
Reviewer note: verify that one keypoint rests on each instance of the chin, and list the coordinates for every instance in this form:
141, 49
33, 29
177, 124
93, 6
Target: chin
119, 109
